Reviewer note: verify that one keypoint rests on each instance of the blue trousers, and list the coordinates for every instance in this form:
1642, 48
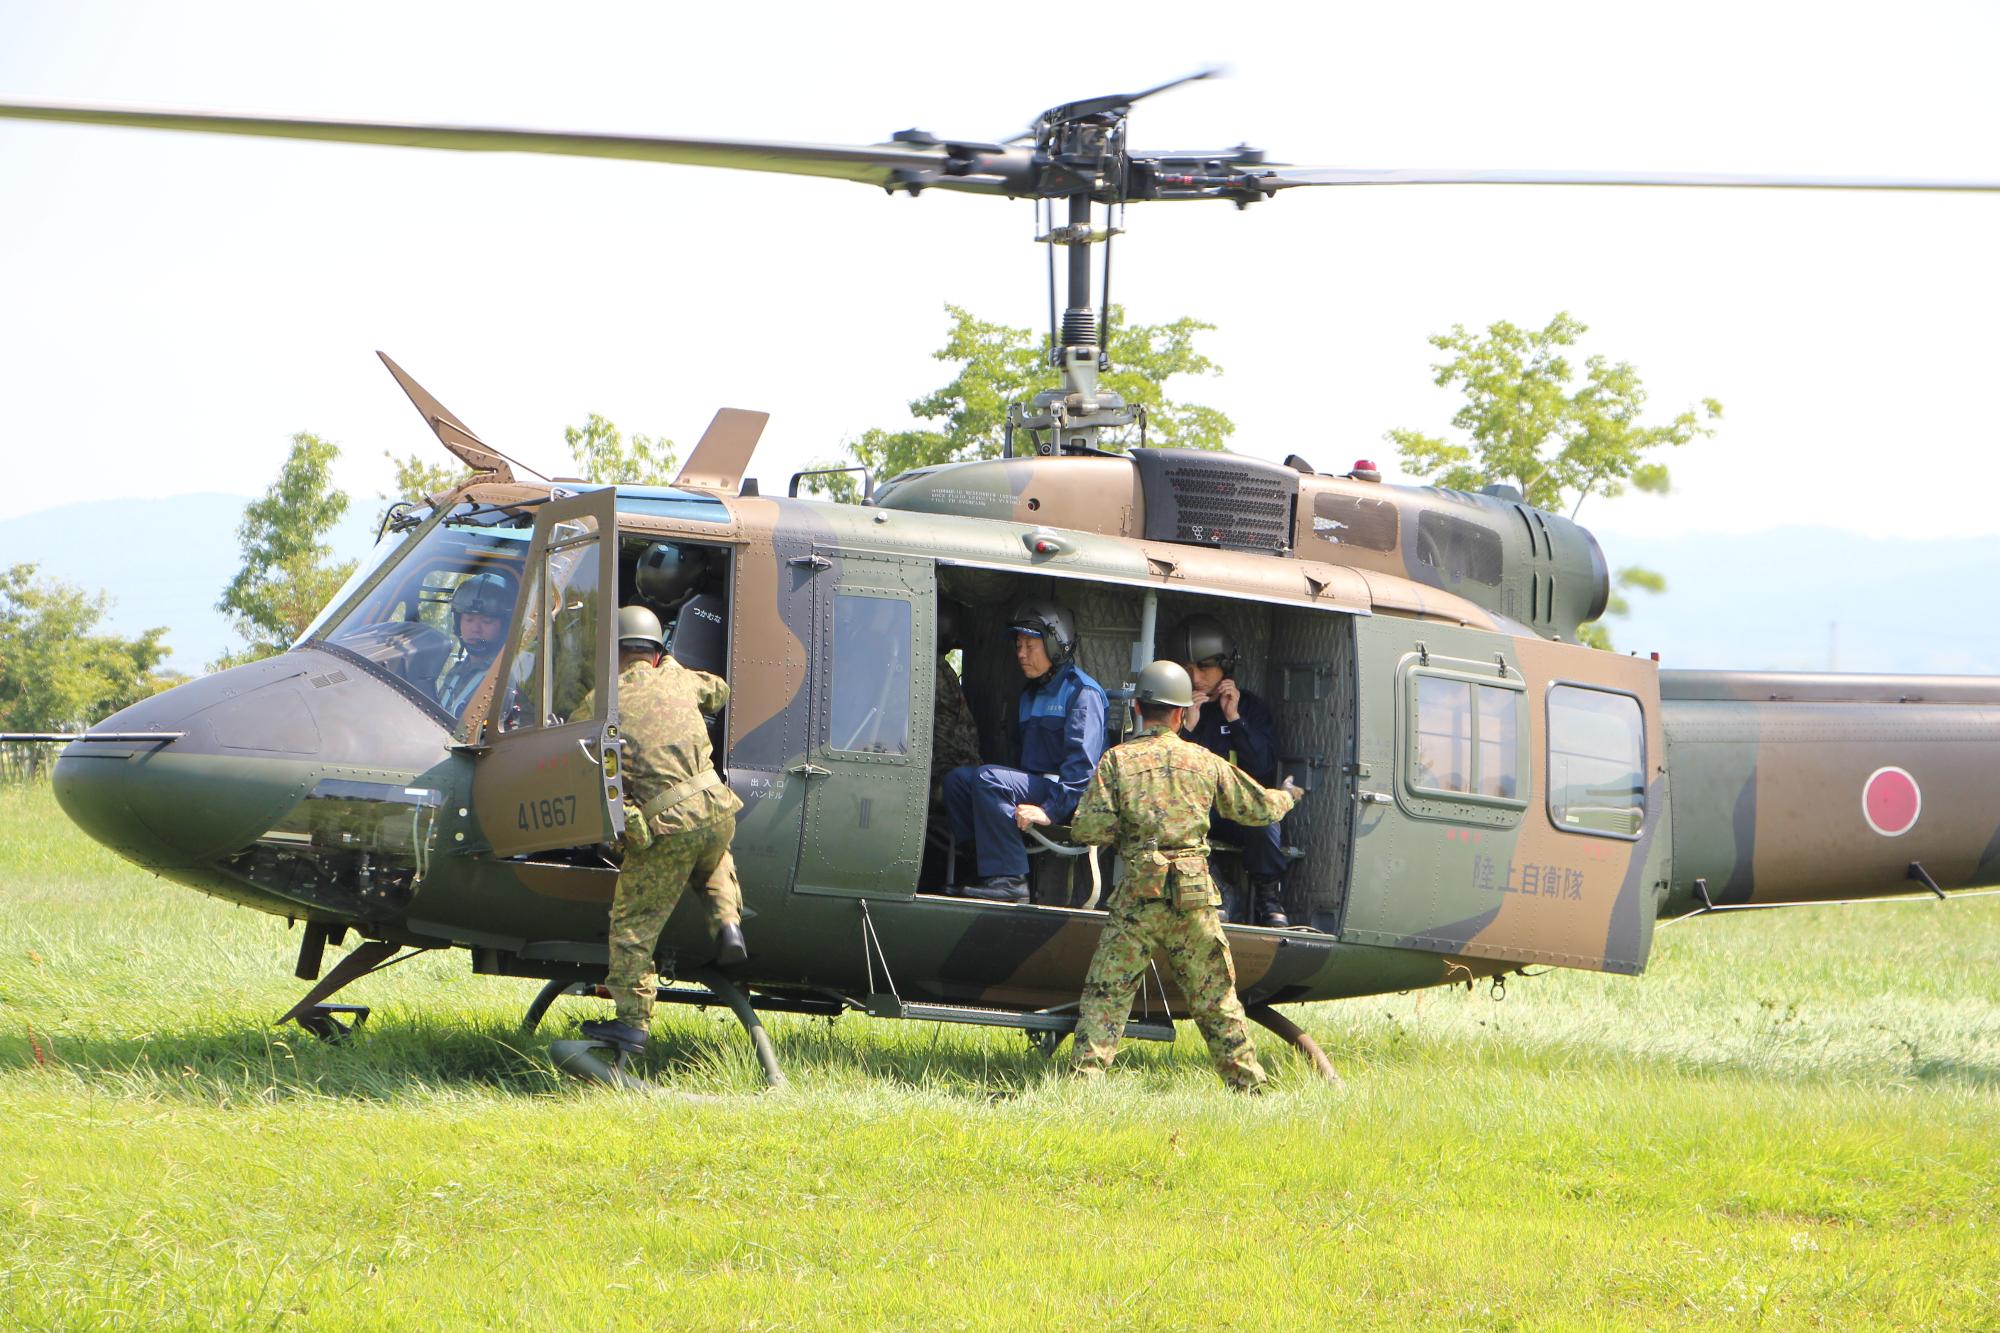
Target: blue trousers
1262, 858
980, 802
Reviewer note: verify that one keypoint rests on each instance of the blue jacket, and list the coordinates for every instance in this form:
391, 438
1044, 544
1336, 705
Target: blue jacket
1059, 733
1250, 742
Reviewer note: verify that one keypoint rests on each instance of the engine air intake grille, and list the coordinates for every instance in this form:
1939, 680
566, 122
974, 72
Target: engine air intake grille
1204, 499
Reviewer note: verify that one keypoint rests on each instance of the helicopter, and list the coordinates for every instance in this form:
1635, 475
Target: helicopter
1481, 792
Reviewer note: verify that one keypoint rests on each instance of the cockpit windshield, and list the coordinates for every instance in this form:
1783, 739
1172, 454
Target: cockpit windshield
437, 620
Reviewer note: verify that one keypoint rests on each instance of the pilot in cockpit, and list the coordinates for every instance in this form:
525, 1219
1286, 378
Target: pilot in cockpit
480, 609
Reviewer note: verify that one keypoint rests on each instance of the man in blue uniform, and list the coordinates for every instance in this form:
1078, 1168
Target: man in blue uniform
1059, 737
1235, 724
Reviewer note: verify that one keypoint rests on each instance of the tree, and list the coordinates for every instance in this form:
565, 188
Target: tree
417, 479
1527, 427
56, 672
287, 574
999, 364
604, 455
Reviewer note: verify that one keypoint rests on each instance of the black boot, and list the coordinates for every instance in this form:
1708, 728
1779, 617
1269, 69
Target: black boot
627, 1039
1270, 898
999, 889
729, 946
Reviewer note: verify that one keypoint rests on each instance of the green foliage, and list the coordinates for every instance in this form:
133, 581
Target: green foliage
287, 575
417, 479
57, 673
1790, 1117
1526, 426
999, 364
604, 455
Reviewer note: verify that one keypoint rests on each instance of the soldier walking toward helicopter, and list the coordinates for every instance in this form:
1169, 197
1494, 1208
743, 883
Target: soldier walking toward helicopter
1151, 797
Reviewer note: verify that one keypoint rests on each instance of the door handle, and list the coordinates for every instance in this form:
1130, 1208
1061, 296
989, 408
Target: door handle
810, 770
1374, 798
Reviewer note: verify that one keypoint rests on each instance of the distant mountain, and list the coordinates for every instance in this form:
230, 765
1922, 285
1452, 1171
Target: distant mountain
1787, 599
164, 562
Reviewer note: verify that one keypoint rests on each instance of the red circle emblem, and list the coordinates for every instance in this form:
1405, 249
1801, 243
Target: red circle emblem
1891, 802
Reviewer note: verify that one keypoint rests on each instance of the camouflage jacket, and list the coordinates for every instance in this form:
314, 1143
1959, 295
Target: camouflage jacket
954, 735
666, 741
1151, 797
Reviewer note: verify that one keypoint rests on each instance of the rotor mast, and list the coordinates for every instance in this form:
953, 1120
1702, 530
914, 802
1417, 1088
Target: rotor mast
1080, 154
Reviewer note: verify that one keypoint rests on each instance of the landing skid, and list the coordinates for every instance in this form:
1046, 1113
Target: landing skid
312, 1012
1266, 1016
580, 1058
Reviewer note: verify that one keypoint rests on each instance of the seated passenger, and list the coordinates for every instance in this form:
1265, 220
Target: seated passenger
480, 609
1235, 724
1059, 736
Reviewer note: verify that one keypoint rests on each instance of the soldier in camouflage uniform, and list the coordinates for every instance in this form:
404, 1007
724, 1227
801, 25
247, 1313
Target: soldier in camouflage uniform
685, 816
954, 735
1151, 796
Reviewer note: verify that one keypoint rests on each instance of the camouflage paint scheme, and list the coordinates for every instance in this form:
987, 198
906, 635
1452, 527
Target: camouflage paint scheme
1752, 787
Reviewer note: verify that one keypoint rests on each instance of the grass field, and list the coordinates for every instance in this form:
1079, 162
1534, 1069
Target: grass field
1793, 1121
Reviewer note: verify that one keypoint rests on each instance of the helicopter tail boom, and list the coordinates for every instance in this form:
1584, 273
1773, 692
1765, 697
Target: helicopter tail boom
1803, 787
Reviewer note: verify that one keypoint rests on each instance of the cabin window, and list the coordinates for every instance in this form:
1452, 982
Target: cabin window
1465, 739
871, 675
1355, 520
1597, 761
1458, 548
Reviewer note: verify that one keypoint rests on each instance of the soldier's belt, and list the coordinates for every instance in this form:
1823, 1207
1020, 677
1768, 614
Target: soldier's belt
679, 792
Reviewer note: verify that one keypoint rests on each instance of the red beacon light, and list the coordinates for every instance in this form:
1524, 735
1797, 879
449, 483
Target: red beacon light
1365, 470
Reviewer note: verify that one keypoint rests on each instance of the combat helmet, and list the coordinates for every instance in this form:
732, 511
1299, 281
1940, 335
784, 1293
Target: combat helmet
639, 628
1167, 683
1051, 623
1200, 639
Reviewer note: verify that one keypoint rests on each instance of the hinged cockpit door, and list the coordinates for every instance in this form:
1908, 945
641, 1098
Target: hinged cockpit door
548, 772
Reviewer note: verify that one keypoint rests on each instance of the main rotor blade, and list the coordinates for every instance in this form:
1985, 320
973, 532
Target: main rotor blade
886, 165
1280, 178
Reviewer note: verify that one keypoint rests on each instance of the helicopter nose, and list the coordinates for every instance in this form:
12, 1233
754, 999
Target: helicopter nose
242, 748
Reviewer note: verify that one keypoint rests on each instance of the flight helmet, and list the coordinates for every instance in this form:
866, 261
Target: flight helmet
1200, 639
667, 573
1049, 621
486, 594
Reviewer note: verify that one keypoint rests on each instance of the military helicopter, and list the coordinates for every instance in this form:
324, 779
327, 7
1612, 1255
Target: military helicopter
1482, 792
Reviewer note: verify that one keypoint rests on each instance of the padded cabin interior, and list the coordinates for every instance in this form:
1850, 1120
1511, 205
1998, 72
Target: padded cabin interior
1299, 661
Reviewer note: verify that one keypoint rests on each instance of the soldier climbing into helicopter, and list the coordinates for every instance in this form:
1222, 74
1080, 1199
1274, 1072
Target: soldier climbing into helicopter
1234, 723
1059, 735
681, 824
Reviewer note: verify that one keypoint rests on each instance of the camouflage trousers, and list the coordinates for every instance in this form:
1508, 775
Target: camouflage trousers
1197, 953
649, 888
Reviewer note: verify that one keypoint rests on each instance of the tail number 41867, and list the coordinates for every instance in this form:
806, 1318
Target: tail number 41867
549, 812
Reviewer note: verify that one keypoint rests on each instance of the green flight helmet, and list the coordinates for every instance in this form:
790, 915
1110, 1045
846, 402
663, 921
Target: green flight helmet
1051, 623
639, 629
487, 594
1167, 683
667, 573
1201, 639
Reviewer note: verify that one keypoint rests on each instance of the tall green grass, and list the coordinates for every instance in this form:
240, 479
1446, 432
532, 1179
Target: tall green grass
1790, 1121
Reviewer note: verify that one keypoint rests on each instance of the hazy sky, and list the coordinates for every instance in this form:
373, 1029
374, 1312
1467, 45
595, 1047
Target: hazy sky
172, 308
